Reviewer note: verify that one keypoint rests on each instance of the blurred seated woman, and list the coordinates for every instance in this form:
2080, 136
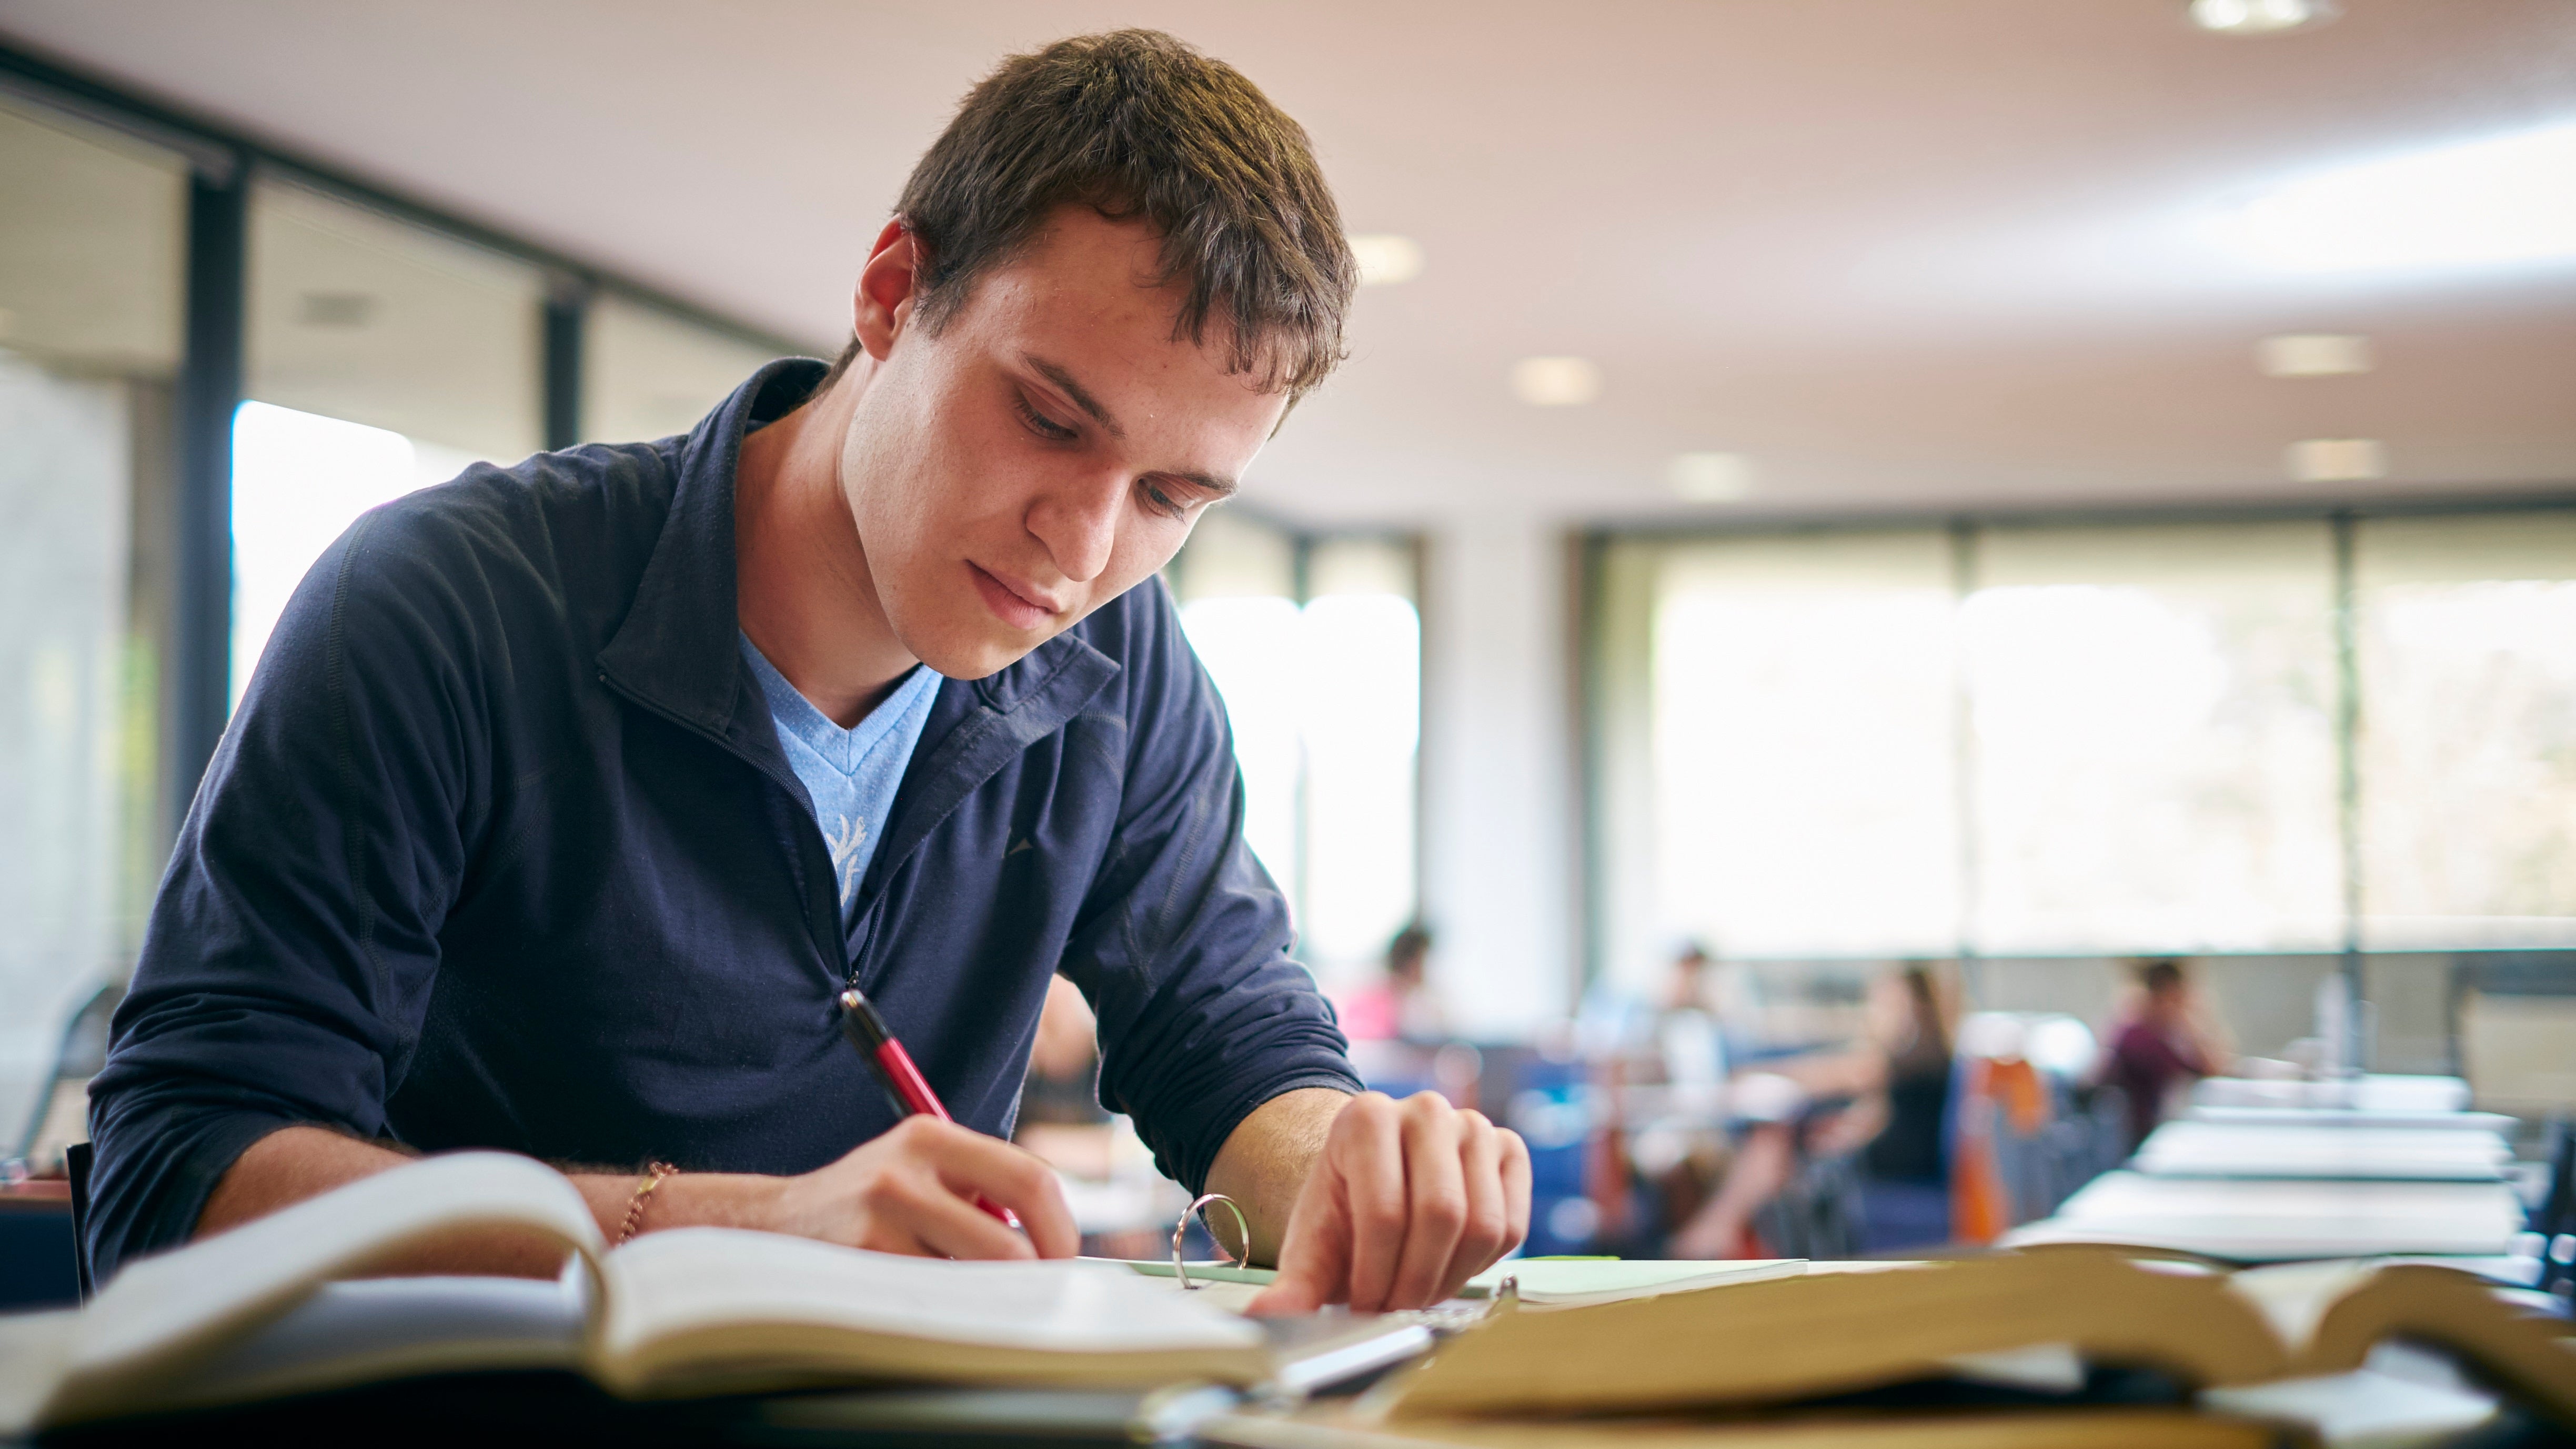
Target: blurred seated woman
1897, 1084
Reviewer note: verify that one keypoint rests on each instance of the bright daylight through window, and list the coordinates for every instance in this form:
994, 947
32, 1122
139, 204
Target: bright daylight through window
2113, 739
1324, 699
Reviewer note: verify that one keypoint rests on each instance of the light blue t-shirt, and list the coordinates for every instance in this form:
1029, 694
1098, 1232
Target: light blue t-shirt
851, 774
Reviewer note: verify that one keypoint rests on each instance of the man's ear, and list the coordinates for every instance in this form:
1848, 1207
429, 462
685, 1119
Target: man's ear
883, 306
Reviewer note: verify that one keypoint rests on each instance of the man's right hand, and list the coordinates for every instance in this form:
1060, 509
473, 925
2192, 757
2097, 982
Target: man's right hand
913, 1190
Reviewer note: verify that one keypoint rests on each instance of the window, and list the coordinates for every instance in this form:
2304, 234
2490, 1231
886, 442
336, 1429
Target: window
91, 277
380, 358
2152, 715
2467, 635
648, 373
1324, 698
1804, 795
2087, 740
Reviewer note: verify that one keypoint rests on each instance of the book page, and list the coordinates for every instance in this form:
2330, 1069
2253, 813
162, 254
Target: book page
1545, 1281
171, 1307
386, 1328
2294, 1297
689, 1280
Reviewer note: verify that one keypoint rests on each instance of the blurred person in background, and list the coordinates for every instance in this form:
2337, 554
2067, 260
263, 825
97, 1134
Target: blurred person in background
1398, 1006
1063, 1086
1886, 1098
2165, 1041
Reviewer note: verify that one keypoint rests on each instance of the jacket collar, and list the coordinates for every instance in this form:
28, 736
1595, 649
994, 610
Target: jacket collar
676, 650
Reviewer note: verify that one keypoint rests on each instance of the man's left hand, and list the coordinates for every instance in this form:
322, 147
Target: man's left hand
1406, 1202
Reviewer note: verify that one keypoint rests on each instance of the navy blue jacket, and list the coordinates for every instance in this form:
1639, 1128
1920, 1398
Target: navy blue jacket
501, 851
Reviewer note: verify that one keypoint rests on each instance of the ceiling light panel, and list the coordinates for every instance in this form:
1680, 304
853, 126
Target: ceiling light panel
2260, 17
2313, 354
1386, 259
1710, 477
1556, 382
2337, 460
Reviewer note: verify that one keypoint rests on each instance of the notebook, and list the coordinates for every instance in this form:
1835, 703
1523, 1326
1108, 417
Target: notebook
1578, 1282
1541, 1282
268, 1309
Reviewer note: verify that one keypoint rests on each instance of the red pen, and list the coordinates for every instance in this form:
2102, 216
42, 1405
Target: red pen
903, 1081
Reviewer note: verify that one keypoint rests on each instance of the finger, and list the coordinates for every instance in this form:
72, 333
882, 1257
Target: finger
951, 1225
1314, 1254
973, 1165
1516, 1187
1368, 1151
1435, 1199
1481, 1240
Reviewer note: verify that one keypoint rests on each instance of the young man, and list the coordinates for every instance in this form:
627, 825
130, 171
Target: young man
568, 796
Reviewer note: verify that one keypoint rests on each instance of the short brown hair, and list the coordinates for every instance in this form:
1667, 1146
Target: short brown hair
1136, 124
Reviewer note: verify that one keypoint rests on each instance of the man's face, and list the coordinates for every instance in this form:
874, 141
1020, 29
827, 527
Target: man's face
1045, 451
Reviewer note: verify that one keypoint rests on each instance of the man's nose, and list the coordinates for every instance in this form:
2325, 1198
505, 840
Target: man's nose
1078, 523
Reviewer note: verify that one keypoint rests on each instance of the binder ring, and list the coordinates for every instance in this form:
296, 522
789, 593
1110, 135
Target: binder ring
1198, 1209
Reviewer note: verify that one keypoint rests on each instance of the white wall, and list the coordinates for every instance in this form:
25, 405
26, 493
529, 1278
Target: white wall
1499, 856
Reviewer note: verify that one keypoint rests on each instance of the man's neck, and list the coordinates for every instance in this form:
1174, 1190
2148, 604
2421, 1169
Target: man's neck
802, 585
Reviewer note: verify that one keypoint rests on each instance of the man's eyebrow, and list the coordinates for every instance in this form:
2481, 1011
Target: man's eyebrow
1082, 399
1221, 487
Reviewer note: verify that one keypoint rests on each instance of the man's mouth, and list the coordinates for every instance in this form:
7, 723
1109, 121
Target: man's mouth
1029, 610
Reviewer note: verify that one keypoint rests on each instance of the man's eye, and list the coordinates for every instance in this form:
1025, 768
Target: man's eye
1039, 423
1163, 501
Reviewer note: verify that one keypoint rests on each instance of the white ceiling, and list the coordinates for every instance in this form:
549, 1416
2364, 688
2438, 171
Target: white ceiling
1902, 255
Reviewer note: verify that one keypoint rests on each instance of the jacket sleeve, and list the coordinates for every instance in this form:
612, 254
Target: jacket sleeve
1183, 944
289, 956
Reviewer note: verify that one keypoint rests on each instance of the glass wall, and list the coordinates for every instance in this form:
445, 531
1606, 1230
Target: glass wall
2088, 740
649, 373
92, 234
2152, 739
1803, 769
2467, 643
380, 358
1316, 647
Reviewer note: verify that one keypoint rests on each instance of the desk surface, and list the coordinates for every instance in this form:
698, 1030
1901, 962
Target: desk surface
2267, 1221
2334, 1150
2374, 1093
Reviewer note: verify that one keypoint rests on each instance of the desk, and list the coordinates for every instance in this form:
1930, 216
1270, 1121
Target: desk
36, 1263
2496, 1123
2373, 1093
2322, 1150
2284, 1220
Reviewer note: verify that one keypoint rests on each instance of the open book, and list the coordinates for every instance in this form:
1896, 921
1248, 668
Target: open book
1826, 1333
264, 1311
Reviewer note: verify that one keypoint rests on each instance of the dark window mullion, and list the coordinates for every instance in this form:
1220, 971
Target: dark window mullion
210, 389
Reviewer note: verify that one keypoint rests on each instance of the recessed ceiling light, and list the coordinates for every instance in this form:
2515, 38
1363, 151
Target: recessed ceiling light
1385, 258
2313, 354
1710, 477
2504, 199
2260, 17
1556, 382
2337, 460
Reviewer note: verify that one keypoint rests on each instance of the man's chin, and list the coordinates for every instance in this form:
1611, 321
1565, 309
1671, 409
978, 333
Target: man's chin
973, 655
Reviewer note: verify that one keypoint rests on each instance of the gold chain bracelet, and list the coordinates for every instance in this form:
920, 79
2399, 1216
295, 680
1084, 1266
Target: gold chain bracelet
654, 1173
